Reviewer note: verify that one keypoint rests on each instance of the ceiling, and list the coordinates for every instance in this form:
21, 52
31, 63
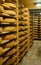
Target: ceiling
30, 3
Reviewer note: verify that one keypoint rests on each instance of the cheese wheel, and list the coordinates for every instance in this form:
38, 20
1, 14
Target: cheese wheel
9, 37
12, 60
4, 14
8, 5
10, 12
3, 50
11, 44
1, 9
2, 60
25, 13
11, 52
0, 40
25, 9
1, 19
8, 20
9, 29
26, 18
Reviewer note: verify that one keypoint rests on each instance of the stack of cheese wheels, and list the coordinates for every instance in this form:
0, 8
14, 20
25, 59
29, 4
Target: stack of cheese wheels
9, 5
8, 42
0, 54
1, 20
11, 52
2, 51
10, 10
26, 14
1, 11
2, 60
11, 60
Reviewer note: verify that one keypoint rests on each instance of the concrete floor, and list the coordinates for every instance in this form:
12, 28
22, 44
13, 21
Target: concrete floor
33, 57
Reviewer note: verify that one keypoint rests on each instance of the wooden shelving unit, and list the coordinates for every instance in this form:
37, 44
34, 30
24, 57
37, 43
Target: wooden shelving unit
25, 31
31, 30
36, 18
16, 36
9, 43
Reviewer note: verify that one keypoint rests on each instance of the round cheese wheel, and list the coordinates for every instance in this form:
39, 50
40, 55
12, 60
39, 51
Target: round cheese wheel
25, 13
25, 9
9, 29
9, 37
11, 44
25, 17
10, 12
1, 9
1, 19
8, 5
8, 20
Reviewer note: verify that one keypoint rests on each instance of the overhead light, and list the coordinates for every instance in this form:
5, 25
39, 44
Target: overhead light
40, 13
38, 4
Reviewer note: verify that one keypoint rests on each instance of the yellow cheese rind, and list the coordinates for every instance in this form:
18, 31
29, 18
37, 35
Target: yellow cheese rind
1, 9
10, 12
9, 37
1, 19
8, 5
8, 20
9, 29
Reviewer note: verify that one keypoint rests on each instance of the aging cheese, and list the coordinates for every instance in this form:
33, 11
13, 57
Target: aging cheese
9, 37
11, 44
5, 14
2, 60
26, 14
9, 29
10, 12
10, 61
1, 9
8, 20
25, 9
8, 5
1, 19
11, 52
25, 18
3, 50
